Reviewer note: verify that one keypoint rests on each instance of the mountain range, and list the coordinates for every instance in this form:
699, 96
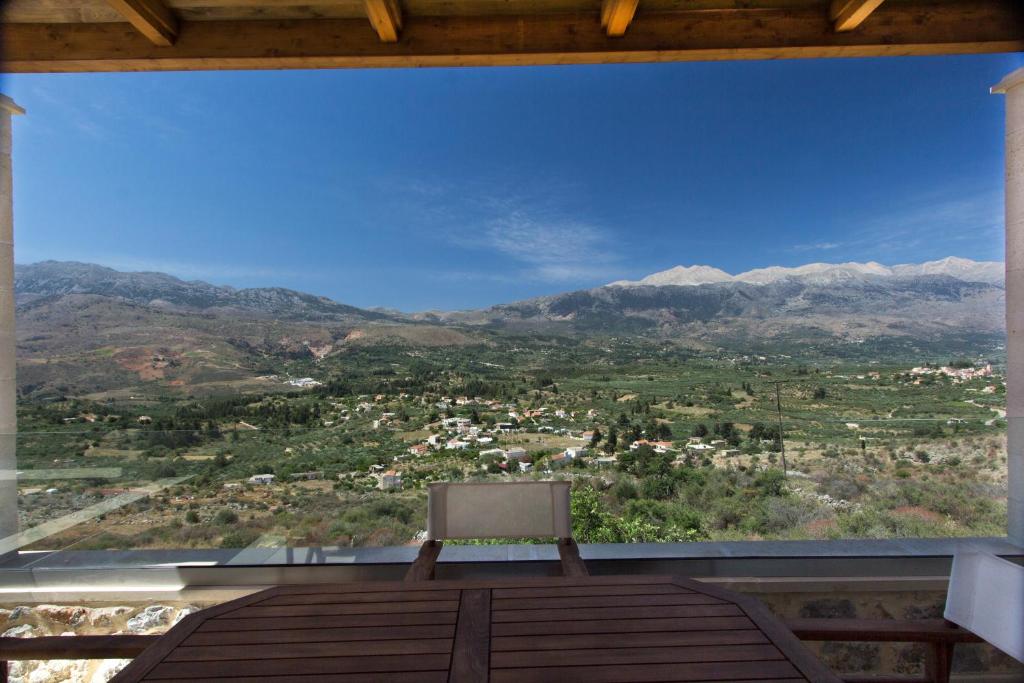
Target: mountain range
990, 272
85, 328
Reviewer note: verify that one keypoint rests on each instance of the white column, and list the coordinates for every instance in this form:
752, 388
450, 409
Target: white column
1013, 87
8, 388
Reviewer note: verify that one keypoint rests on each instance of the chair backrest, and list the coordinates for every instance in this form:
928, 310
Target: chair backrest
986, 597
521, 509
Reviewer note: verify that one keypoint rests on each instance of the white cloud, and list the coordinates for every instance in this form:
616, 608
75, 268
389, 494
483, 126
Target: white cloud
546, 246
818, 246
926, 226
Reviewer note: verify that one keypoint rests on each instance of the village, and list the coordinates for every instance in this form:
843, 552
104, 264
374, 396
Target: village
321, 464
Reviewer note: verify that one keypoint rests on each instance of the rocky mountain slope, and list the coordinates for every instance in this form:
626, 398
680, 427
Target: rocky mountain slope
850, 301
50, 279
990, 272
85, 329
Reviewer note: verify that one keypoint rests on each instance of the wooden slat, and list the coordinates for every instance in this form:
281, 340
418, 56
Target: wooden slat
470, 658
881, 630
621, 656
388, 677
422, 568
797, 653
621, 626
151, 18
597, 613
849, 14
330, 597
320, 666
144, 664
320, 635
698, 671
512, 583
914, 27
567, 591
74, 647
600, 640
605, 601
211, 653
616, 16
339, 621
386, 18
332, 609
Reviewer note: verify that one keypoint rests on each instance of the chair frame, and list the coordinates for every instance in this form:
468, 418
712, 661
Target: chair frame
425, 564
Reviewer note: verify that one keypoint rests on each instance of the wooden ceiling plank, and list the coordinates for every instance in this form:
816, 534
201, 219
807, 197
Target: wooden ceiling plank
849, 14
616, 16
151, 18
912, 27
386, 17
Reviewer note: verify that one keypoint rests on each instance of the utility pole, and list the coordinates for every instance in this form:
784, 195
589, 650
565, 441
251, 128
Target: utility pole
782, 439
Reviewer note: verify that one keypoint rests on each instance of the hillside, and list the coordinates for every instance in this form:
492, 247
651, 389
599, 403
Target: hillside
87, 329
846, 301
51, 279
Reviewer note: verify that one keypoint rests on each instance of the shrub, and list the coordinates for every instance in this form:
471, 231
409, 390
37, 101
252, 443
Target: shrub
225, 517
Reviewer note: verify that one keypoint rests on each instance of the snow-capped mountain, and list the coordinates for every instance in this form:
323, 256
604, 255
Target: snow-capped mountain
824, 273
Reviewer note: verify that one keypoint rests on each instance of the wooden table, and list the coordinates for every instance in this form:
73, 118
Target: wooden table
588, 629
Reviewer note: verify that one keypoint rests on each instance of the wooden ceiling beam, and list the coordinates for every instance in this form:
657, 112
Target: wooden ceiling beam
386, 17
151, 18
912, 27
849, 14
616, 15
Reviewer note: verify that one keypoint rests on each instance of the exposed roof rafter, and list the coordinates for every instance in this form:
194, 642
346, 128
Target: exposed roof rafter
151, 18
616, 15
386, 17
908, 27
849, 14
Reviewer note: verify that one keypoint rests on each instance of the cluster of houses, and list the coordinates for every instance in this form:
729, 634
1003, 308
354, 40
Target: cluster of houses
958, 375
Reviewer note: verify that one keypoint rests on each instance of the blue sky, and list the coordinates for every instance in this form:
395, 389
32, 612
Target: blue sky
458, 188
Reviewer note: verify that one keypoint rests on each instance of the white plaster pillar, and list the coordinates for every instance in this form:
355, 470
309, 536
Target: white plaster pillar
1013, 87
8, 388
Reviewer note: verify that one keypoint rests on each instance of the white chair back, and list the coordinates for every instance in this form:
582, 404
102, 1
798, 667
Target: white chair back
986, 597
521, 509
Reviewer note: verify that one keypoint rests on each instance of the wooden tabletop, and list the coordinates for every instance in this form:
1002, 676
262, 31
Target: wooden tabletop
589, 629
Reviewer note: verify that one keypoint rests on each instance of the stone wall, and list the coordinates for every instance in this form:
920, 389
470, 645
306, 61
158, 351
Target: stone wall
23, 621
901, 658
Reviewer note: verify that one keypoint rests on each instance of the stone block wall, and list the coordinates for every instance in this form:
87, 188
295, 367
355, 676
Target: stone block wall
970, 660
29, 621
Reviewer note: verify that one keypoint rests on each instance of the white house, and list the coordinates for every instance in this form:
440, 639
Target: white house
390, 481
515, 453
262, 479
574, 452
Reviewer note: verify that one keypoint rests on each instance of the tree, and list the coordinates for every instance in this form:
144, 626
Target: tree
596, 438
612, 442
700, 430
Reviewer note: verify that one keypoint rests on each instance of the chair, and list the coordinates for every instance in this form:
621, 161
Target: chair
986, 597
982, 604
525, 509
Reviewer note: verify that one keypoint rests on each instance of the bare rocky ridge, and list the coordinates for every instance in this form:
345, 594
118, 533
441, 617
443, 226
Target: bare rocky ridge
50, 279
990, 272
